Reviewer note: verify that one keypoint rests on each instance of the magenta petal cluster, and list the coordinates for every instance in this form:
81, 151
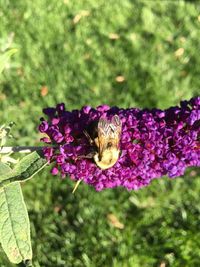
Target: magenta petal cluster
153, 143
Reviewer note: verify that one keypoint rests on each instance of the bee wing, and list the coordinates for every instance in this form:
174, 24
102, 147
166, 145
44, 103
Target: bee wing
103, 135
109, 133
116, 124
116, 128
103, 127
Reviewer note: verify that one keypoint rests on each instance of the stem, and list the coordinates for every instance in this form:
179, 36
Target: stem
20, 149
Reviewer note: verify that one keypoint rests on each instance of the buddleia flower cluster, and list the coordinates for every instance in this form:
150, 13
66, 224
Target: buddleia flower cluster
153, 143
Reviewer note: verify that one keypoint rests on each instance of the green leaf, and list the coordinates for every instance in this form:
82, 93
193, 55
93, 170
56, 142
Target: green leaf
4, 168
5, 133
25, 169
5, 57
14, 224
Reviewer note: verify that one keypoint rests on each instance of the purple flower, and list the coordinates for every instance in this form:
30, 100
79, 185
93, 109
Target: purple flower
57, 136
48, 153
194, 116
153, 143
49, 112
54, 171
43, 127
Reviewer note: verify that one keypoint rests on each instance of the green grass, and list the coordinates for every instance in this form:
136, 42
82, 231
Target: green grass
79, 63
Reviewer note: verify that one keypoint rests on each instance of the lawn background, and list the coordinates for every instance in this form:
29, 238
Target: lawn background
73, 51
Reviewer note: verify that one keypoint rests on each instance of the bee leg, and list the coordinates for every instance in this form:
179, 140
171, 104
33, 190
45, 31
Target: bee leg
88, 156
88, 137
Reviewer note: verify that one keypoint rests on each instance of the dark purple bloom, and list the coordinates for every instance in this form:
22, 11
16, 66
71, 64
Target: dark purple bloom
153, 143
49, 111
48, 153
43, 127
57, 136
194, 116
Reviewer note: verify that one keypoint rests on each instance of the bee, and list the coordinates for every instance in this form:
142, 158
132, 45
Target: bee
105, 138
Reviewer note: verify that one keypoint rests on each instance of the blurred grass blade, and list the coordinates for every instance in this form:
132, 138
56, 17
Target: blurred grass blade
5, 57
14, 224
25, 169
